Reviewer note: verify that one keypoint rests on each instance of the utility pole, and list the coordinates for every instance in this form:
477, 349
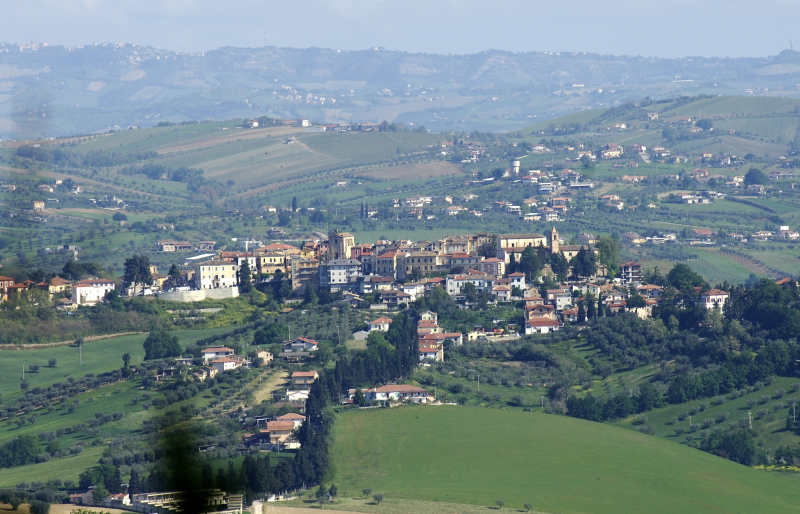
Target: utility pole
80, 353
479, 383
749, 420
794, 415
542, 402
690, 422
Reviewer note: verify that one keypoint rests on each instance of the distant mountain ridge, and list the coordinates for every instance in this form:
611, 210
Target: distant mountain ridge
48, 91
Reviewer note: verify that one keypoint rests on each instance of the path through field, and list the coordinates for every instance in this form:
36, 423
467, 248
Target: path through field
264, 392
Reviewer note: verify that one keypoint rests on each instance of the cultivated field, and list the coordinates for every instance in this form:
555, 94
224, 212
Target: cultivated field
558, 464
768, 408
414, 171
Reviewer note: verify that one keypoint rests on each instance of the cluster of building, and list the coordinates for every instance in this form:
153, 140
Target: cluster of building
71, 293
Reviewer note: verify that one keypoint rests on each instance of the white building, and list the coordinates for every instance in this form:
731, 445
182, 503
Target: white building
91, 291
225, 364
215, 274
714, 299
216, 352
393, 392
339, 274
380, 324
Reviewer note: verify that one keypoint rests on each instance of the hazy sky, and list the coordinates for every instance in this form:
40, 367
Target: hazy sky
665, 28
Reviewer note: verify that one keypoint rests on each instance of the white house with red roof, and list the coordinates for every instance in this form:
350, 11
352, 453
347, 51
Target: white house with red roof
301, 344
295, 418
397, 392
226, 364
541, 326
380, 324
216, 352
714, 299
518, 280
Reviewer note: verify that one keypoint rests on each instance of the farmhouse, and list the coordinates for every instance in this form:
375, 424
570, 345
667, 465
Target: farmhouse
380, 324
301, 344
226, 364
393, 393
302, 380
216, 352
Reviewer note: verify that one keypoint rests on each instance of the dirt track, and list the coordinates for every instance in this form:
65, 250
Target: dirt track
64, 343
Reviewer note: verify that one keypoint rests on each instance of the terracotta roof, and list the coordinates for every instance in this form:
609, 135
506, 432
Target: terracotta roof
280, 426
291, 416
543, 322
714, 292
303, 374
382, 320
216, 349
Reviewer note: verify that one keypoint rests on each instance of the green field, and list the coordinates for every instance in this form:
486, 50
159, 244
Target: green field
98, 357
717, 269
67, 468
558, 464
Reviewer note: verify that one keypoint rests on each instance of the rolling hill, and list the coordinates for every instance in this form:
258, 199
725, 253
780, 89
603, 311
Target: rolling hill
558, 464
50, 91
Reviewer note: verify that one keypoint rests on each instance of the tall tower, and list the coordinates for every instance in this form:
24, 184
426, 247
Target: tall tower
515, 166
340, 244
554, 248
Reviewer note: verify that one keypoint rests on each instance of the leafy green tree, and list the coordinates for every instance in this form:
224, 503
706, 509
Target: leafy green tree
530, 263
366, 492
245, 277
39, 507
681, 277
333, 492
559, 265
378, 497
174, 274
99, 493
608, 254
704, 124
500, 502
755, 176
284, 217
591, 306
310, 296
359, 399
137, 271
160, 344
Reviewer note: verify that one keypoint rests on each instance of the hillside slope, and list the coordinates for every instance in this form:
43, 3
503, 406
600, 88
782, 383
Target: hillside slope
559, 464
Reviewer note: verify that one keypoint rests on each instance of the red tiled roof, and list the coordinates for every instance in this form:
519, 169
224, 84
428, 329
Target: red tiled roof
217, 349
280, 426
303, 374
543, 322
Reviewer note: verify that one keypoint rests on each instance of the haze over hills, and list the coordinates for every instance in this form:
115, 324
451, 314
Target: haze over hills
50, 91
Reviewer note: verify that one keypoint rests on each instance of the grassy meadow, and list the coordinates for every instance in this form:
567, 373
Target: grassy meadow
558, 464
